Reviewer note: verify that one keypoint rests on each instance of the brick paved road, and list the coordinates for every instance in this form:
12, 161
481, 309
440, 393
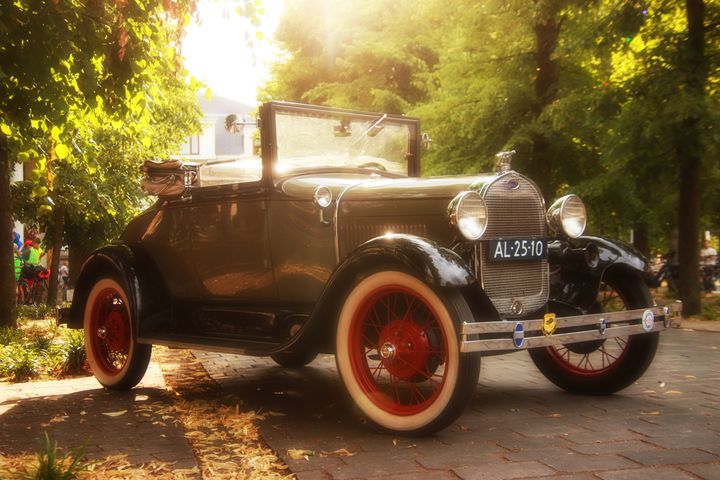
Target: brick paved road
667, 426
78, 411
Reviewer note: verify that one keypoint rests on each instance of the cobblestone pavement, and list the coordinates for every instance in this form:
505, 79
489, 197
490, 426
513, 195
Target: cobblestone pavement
78, 411
666, 426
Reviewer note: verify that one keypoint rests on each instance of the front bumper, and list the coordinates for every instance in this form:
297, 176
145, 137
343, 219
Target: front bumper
508, 335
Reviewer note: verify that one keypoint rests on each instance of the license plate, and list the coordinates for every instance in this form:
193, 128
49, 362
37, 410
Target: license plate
517, 249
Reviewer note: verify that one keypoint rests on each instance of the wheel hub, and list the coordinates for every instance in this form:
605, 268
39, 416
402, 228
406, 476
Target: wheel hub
405, 350
115, 332
387, 351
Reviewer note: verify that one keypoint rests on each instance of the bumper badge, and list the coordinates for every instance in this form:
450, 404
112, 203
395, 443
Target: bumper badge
549, 324
519, 335
648, 320
602, 326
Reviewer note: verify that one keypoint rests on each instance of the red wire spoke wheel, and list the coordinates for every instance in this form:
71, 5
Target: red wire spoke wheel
398, 350
608, 365
398, 356
596, 358
116, 359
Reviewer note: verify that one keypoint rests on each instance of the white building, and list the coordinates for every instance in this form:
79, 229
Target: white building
215, 142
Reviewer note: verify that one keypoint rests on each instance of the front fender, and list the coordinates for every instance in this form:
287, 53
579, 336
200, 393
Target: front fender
146, 289
436, 265
577, 280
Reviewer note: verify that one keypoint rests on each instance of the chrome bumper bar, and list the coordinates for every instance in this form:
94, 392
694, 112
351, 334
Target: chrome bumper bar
509, 335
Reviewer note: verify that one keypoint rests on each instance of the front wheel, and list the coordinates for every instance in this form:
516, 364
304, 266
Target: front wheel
116, 359
398, 356
602, 367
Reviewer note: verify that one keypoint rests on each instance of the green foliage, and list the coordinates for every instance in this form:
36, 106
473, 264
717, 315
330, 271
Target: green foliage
88, 90
9, 335
34, 312
353, 54
39, 350
602, 115
54, 466
18, 362
71, 352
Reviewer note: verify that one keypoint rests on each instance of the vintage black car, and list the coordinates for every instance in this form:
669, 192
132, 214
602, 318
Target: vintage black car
330, 241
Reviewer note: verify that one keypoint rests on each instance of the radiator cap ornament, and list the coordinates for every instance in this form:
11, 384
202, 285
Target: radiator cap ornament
503, 161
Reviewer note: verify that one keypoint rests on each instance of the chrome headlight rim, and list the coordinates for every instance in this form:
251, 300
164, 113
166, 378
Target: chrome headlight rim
458, 212
563, 217
323, 196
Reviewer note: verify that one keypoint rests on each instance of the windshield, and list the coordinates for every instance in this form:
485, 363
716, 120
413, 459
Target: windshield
307, 140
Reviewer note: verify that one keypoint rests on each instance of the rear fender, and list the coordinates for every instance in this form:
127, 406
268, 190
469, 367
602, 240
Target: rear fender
146, 289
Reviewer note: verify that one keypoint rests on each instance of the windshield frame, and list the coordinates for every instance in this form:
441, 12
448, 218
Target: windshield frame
268, 133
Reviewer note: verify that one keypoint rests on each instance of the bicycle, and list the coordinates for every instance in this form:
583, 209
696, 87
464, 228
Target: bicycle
32, 286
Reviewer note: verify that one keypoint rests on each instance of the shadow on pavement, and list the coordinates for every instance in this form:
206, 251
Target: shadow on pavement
105, 422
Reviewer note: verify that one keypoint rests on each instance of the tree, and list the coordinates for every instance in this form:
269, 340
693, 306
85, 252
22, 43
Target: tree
59, 59
353, 54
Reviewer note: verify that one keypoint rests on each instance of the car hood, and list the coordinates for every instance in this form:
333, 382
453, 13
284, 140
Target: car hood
362, 187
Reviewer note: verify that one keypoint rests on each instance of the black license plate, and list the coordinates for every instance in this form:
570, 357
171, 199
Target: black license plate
517, 249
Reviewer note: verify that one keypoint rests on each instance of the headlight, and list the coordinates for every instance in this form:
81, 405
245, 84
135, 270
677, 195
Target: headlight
322, 196
468, 213
568, 215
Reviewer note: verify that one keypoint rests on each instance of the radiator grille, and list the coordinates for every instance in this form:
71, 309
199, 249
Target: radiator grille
515, 210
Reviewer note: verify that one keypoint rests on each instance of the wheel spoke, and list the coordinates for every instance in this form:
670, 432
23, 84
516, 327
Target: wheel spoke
596, 356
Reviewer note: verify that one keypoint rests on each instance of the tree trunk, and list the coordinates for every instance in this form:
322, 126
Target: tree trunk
7, 266
54, 260
689, 152
547, 30
78, 252
640, 238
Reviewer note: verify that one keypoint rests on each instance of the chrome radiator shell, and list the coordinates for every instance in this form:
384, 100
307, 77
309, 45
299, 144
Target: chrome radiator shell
516, 209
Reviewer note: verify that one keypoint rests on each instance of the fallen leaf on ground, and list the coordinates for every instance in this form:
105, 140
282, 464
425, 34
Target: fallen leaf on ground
340, 452
115, 414
299, 454
650, 413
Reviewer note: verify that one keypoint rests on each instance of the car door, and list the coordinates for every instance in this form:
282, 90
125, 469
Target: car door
229, 234
230, 244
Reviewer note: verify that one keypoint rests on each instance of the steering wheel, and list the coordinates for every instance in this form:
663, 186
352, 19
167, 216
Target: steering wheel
375, 165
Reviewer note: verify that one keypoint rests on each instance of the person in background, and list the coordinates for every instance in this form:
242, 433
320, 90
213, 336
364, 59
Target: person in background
708, 258
35, 253
17, 243
16, 255
64, 279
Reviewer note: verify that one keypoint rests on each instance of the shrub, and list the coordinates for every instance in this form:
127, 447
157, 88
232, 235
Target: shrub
71, 352
39, 311
10, 335
19, 362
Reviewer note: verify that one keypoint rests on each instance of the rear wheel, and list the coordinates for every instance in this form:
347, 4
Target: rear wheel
608, 365
397, 353
114, 355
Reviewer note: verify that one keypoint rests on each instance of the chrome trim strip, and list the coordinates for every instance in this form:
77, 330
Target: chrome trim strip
336, 225
533, 329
